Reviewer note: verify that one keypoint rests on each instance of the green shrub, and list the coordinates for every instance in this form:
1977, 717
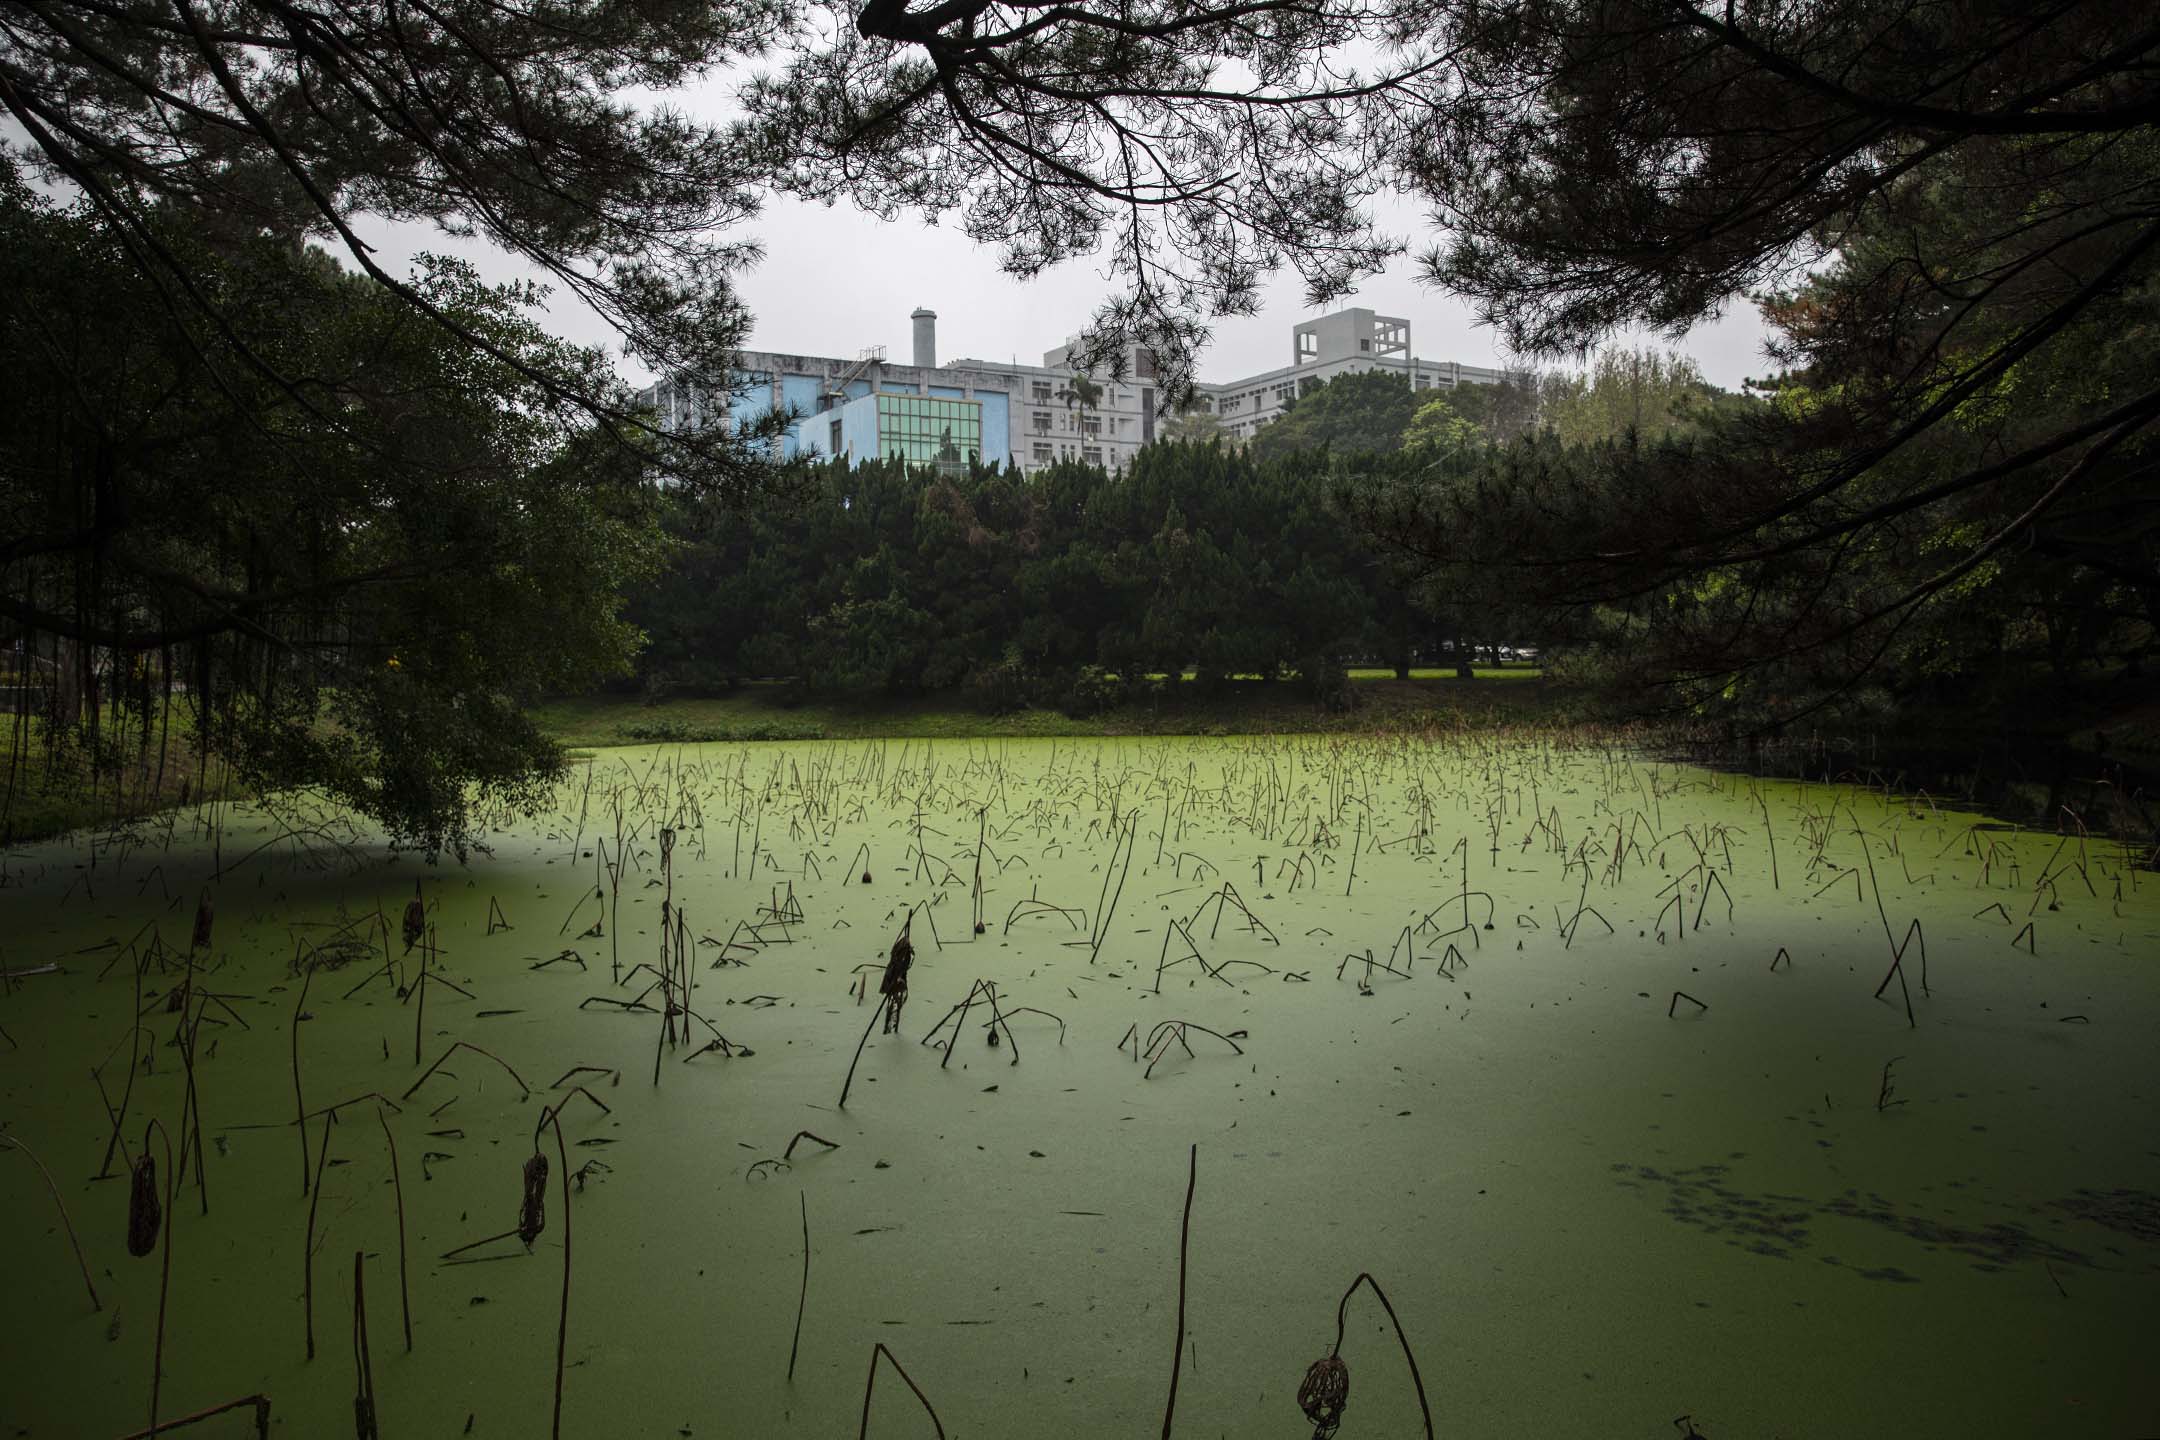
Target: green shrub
1089, 690
999, 688
678, 732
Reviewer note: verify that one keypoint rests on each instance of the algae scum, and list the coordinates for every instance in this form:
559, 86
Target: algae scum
1600, 1068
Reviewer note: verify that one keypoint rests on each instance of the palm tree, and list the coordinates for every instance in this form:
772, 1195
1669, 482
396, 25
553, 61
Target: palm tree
1085, 393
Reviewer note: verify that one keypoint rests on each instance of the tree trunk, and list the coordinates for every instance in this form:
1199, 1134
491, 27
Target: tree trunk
67, 694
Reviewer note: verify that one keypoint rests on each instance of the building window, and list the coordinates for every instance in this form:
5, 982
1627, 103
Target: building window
1308, 346
1041, 392
1042, 422
932, 430
1092, 454
1042, 453
1364, 344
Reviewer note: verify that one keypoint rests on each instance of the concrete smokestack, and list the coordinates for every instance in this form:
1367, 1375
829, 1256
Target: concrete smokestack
925, 338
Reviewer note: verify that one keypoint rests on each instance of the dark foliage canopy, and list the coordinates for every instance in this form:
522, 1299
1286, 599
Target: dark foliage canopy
1365, 411
1953, 210
354, 583
507, 122
882, 579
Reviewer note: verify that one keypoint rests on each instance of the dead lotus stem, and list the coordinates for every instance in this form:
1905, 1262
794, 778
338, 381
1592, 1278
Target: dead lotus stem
377, 1096
1177, 1354
1342, 1311
9, 1142
135, 1034
307, 1250
147, 1189
876, 1350
457, 1045
260, 1404
307, 978
191, 1105
802, 1135
562, 1324
397, 1188
575, 1091
802, 1300
884, 1002
364, 1427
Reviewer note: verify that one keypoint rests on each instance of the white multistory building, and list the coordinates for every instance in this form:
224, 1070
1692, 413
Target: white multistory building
1031, 416
1343, 343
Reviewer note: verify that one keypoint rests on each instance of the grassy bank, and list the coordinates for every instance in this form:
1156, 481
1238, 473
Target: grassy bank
49, 792
763, 711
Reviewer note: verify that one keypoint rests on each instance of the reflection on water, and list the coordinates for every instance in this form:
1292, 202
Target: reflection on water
1783, 1226
2025, 781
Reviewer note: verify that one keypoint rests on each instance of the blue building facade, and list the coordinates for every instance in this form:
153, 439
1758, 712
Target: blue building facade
1029, 416
863, 409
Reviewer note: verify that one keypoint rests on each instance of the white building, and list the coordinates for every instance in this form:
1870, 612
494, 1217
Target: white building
1060, 414
1031, 416
1343, 343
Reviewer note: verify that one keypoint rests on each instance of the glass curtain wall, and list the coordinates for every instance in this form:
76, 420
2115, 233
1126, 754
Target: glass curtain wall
928, 430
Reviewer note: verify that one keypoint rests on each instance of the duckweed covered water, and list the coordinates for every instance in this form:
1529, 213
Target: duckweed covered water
1595, 1205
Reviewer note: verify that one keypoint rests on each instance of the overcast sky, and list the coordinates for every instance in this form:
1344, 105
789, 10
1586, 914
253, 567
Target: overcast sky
835, 281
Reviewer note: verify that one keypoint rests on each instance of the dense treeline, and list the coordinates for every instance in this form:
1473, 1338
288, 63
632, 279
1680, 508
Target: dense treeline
1065, 587
330, 547
1070, 586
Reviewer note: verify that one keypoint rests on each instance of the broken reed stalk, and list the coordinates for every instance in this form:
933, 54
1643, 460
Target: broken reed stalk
9, 1142
802, 1301
420, 999
299, 1105
562, 1323
191, 1105
397, 1188
1177, 1356
875, 1016
875, 1351
1771, 836
802, 1135
457, 1045
1897, 968
259, 1403
307, 1250
1887, 1087
134, 1063
1342, 1311
157, 1352
1102, 929
975, 891
363, 1366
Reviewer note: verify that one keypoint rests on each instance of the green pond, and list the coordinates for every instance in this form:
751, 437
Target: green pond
1606, 1114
